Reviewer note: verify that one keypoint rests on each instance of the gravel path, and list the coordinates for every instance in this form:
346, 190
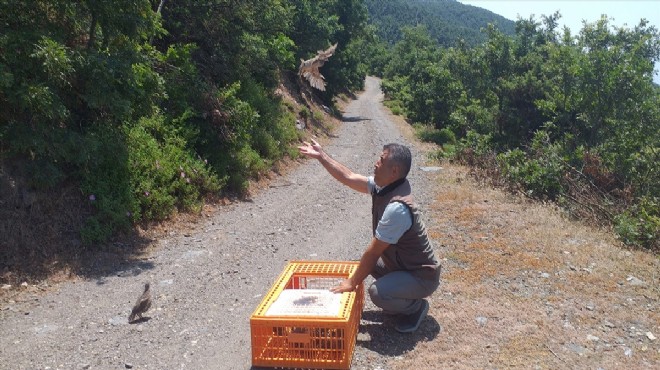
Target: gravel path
208, 280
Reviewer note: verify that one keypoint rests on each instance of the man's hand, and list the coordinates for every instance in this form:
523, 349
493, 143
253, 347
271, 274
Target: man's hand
366, 266
345, 286
313, 150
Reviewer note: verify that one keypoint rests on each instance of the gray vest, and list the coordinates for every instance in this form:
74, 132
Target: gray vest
413, 252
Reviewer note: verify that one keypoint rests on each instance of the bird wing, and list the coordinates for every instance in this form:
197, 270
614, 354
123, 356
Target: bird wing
315, 78
310, 68
143, 303
327, 53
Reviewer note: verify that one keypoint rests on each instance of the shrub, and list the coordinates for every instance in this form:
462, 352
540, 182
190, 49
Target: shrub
476, 143
318, 116
395, 106
540, 177
304, 113
106, 181
438, 136
164, 174
640, 225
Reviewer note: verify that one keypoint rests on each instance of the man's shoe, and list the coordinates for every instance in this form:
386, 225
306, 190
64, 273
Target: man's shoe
410, 323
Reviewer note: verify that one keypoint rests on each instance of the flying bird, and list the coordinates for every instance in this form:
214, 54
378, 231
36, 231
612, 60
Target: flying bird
142, 305
310, 68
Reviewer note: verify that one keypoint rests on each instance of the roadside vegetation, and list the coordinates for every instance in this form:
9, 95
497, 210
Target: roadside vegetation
572, 119
134, 110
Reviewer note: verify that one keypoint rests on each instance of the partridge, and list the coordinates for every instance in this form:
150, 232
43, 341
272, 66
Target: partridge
310, 68
142, 305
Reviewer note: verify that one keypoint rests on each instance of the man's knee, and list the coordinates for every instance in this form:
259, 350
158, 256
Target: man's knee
375, 295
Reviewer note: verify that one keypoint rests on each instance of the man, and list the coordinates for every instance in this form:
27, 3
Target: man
400, 256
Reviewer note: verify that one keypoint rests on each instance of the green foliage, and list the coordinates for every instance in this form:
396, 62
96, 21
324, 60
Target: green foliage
317, 116
373, 51
314, 25
151, 112
105, 181
56, 61
640, 225
444, 138
447, 21
275, 127
538, 178
479, 144
418, 79
433, 135
552, 104
472, 116
235, 40
164, 174
304, 113
395, 106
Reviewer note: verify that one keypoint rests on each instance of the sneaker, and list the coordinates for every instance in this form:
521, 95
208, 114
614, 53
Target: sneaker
410, 323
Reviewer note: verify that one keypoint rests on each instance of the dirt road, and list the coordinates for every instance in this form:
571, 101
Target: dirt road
522, 287
207, 280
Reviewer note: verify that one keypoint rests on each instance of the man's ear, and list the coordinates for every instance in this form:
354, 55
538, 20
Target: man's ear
396, 170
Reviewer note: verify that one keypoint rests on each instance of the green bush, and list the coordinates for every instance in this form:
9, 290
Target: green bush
640, 225
140, 173
106, 182
433, 135
395, 106
304, 113
165, 175
275, 129
449, 151
540, 177
151, 112
318, 116
472, 117
478, 144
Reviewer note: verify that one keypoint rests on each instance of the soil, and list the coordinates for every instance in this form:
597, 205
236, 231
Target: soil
522, 286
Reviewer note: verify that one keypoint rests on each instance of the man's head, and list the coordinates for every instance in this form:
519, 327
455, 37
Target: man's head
394, 163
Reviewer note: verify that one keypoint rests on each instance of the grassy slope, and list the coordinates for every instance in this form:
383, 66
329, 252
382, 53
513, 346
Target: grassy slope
547, 286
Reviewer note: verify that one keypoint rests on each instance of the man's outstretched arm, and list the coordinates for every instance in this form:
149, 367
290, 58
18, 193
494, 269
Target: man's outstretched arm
340, 172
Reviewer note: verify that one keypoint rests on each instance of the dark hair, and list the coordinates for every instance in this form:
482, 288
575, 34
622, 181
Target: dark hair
400, 154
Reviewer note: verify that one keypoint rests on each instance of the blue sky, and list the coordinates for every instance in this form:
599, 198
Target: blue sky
626, 13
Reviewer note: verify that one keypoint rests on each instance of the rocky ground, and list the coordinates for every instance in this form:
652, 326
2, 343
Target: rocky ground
522, 286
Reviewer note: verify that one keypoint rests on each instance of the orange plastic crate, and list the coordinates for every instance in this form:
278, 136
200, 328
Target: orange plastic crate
319, 342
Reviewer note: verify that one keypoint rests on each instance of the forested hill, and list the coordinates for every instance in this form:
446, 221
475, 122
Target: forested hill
446, 20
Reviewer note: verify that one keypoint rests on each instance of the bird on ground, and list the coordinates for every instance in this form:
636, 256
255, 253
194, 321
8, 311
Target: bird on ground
310, 68
142, 305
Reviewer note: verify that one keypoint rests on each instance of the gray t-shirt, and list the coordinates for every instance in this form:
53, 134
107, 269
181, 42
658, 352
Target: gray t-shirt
396, 219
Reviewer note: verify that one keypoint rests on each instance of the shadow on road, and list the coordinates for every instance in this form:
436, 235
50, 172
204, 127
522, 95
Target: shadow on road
383, 339
118, 259
354, 119
140, 320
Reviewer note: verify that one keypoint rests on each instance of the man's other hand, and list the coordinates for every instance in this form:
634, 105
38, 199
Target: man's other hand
345, 286
313, 150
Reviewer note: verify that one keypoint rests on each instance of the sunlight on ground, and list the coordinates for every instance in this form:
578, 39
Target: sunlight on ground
522, 287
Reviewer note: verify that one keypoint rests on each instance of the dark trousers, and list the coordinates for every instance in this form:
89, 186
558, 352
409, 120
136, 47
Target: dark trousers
399, 292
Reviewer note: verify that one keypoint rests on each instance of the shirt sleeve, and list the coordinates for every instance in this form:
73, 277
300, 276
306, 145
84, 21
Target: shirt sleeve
396, 220
371, 185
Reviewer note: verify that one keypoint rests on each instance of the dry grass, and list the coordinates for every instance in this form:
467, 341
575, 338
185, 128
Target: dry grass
542, 283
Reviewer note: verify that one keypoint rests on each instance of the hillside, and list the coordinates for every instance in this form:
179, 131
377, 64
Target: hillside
116, 115
446, 20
